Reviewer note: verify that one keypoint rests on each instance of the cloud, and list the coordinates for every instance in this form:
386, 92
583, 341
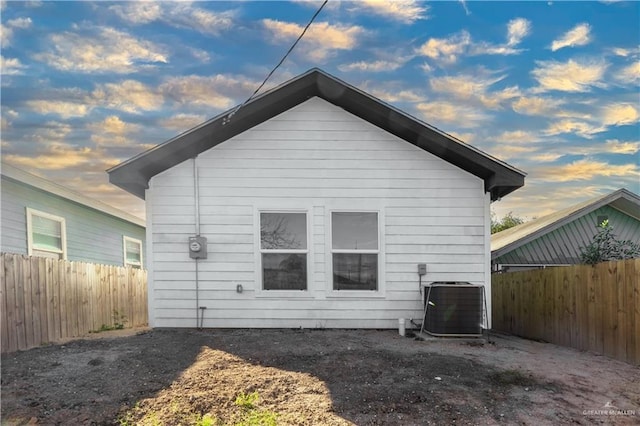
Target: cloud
56, 156
474, 88
64, 109
112, 131
463, 116
630, 74
176, 14
446, 50
571, 76
322, 37
139, 12
621, 147
620, 114
6, 34
577, 36
100, 50
216, 91
10, 66
535, 105
375, 66
585, 170
546, 157
22, 23
581, 128
517, 136
128, 96
181, 122
396, 96
406, 11
517, 29
508, 152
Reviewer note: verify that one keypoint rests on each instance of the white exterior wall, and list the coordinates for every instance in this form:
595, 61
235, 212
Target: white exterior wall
314, 157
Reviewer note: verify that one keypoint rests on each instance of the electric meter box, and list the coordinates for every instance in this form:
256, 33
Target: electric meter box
197, 247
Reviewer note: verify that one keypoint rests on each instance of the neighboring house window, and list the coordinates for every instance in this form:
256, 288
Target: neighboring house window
132, 252
283, 248
354, 249
601, 219
46, 235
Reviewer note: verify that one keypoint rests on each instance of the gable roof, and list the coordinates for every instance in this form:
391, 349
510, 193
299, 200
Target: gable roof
45, 185
510, 239
133, 175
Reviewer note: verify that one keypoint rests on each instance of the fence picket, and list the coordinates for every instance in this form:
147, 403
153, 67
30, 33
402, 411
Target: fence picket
46, 300
594, 308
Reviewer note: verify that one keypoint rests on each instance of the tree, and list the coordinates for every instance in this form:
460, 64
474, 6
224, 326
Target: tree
508, 221
605, 246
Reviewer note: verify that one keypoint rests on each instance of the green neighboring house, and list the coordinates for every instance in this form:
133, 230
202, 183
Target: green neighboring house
556, 239
42, 218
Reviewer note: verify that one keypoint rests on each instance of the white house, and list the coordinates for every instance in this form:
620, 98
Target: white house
314, 204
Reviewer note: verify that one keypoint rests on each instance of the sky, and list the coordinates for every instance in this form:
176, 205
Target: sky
551, 88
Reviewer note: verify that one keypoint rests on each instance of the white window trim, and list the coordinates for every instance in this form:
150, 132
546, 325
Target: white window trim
381, 290
126, 239
280, 294
63, 231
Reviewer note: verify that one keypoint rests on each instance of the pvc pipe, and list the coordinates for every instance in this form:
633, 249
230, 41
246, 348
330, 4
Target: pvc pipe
401, 329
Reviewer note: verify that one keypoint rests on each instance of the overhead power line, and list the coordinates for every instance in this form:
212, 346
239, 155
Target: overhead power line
278, 65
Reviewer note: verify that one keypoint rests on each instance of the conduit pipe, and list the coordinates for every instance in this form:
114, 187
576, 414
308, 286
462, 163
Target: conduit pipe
196, 198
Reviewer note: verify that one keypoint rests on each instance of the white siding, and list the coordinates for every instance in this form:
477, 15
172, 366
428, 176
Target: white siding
315, 157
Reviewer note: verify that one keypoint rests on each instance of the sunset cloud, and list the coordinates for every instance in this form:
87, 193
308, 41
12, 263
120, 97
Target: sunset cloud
323, 37
128, 96
580, 128
374, 66
474, 88
406, 11
630, 74
100, 50
446, 50
570, 76
620, 114
585, 170
449, 113
62, 108
577, 36
182, 122
10, 66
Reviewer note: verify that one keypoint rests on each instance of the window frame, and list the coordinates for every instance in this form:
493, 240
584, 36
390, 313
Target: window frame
379, 292
126, 239
63, 232
283, 293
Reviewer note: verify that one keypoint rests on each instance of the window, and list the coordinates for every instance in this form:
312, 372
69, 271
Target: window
283, 248
354, 249
46, 235
602, 219
132, 252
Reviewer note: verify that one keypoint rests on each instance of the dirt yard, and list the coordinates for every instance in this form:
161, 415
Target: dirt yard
312, 377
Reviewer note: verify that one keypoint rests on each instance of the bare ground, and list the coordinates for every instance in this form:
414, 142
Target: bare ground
313, 377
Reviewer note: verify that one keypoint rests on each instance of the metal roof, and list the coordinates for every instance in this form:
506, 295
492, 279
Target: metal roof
512, 238
134, 174
20, 175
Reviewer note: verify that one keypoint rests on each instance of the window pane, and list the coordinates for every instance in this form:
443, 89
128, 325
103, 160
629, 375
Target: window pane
133, 252
354, 230
46, 242
44, 226
283, 231
284, 271
353, 271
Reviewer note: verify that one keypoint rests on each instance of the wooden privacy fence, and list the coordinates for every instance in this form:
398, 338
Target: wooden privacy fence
594, 308
45, 300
